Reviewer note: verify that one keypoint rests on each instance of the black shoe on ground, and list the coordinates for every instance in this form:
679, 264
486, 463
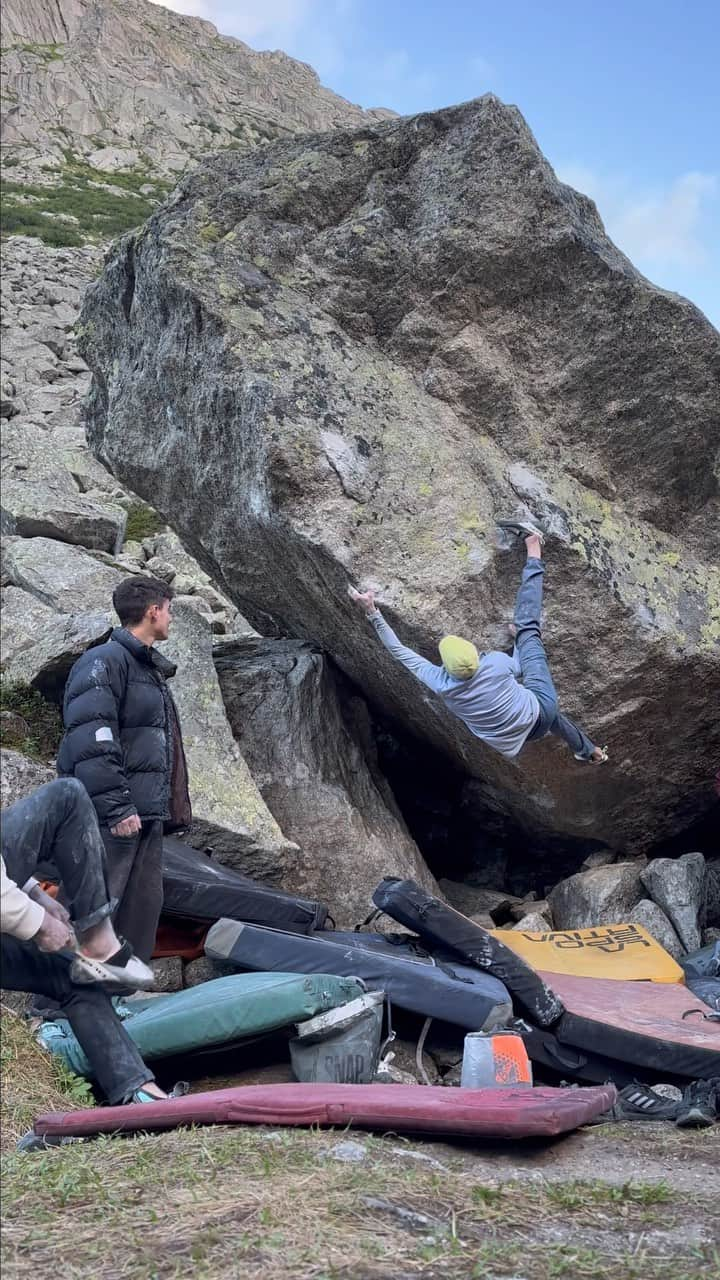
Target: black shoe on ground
638, 1102
700, 1106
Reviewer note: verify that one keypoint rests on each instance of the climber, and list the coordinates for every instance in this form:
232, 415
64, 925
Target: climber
506, 701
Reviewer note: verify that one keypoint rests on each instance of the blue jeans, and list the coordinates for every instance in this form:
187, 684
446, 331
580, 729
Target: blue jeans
534, 664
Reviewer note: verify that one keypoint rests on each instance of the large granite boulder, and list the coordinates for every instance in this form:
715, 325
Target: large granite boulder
315, 768
229, 813
342, 357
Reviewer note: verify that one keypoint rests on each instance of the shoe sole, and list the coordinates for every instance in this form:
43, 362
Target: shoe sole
695, 1119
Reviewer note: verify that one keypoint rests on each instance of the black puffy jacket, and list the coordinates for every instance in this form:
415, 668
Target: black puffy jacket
122, 733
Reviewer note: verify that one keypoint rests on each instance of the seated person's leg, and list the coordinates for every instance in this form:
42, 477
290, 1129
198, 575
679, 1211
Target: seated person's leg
115, 1061
58, 823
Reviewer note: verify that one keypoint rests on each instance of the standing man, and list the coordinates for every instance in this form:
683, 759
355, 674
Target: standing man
122, 741
505, 701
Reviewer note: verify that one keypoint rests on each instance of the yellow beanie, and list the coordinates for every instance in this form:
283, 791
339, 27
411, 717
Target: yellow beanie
460, 657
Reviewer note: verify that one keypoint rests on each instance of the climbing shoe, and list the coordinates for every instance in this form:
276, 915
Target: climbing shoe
120, 971
700, 1106
522, 529
602, 759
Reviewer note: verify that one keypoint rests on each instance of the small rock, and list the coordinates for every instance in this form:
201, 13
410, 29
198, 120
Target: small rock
604, 895
195, 972
531, 906
533, 922
600, 858
159, 568
653, 918
678, 886
473, 902
168, 973
346, 1153
668, 1091
134, 551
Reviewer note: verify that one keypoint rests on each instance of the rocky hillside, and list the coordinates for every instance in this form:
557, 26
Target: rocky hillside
123, 84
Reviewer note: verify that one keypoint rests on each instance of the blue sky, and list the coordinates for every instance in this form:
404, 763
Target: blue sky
623, 97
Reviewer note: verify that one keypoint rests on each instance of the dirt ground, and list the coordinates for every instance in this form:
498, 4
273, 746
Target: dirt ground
611, 1202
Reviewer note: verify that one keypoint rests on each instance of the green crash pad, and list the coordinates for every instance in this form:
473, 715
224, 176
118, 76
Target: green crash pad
215, 1013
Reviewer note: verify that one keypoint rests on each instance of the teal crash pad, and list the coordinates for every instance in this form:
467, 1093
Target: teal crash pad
213, 1014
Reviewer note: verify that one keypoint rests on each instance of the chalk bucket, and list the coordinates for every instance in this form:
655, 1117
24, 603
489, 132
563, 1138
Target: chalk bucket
496, 1060
341, 1046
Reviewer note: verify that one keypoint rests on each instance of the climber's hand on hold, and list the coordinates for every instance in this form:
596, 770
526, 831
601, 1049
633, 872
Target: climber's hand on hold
364, 599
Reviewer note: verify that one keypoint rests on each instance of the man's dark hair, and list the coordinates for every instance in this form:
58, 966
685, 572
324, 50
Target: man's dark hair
133, 597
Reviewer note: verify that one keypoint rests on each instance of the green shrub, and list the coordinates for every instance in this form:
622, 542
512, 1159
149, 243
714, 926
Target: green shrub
142, 522
33, 725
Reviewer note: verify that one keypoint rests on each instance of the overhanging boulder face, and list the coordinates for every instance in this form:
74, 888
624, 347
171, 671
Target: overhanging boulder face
342, 357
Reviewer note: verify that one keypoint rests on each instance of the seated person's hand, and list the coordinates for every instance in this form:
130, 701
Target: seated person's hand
54, 935
49, 905
128, 827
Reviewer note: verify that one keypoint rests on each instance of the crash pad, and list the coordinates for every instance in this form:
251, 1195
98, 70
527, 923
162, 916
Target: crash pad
620, 951
453, 991
440, 926
639, 1023
195, 887
488, 1113
220, 1012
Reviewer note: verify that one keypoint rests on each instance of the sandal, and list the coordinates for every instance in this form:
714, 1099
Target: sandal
122, 970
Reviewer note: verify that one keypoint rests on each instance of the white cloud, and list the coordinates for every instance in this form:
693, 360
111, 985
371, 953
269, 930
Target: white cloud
659, 227
265, 24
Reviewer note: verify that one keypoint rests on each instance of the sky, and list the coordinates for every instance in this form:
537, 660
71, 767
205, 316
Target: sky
623, 96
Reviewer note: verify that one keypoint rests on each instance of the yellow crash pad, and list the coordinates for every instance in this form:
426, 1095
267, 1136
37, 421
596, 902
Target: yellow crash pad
623, 951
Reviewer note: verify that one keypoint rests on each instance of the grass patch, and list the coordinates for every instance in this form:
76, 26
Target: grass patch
143, 521
246, 1201
45, 52
97, 212
32, 725
32, 1080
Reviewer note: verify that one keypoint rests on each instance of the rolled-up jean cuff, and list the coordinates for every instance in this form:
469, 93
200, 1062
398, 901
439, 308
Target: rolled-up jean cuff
125, 1094
83, 923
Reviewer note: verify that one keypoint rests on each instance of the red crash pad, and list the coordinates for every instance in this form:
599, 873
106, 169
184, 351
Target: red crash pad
489, 1113
640, 1023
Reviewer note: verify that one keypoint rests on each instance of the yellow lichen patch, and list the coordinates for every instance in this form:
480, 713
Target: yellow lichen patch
361, 148
425, 489
209, 232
